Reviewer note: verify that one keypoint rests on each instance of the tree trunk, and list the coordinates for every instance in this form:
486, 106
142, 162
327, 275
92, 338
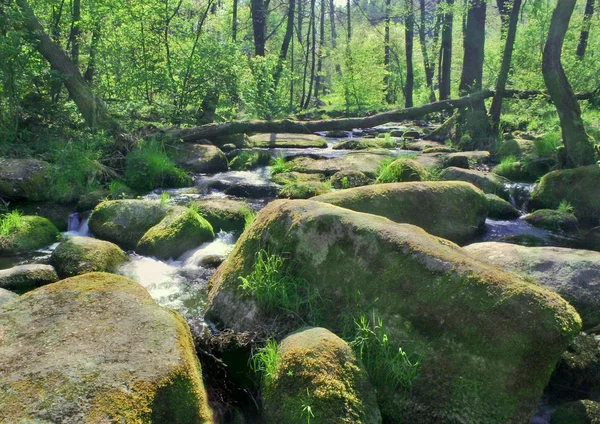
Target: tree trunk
300, 20
90, 106
474, 45
579, 148
289, 33
585, 29
320, 82
496, 107
338, 69
426, 62
234, 23
258, 26
409, 42
313, 30
446, 53
504, 7
75, 32
386, 53
91, 66
349, 26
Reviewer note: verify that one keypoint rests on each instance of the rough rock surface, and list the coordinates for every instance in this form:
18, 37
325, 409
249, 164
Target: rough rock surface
80, 255
26, 277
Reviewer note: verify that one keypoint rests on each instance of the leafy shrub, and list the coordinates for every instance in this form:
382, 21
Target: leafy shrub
249, 159
565, 206
149, 167
279, 165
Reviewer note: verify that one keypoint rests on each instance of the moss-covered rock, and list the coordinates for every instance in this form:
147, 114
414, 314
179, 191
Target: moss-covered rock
55, 213
181, 230
577, 374
284, 178
318, 369
578, 412
489, 183
124, 222
225, 214
304, 190
90, 200
349, 179
487, 341
287, 140
457, 161
27, 277
500, 208
24, 179
6, 295
574, 274
80, 255
452, 210
366, 162
73, 351
33, 233
578, 186
552, 220
401, 170
508, 148
529, 169
203, 159
363, 144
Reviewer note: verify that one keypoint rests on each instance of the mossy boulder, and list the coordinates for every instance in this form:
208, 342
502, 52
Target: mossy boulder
401, 170
73, 351
24, 179
487, 341
574, 274
452, 210
6, 295
578, 186
366, 162
80, 255
284, 178
349, 179
500, 208
33, 233
317, 368
363, 144
552, 220
457, 161
508, 148
287, 140
27, 277
124, 222
90, 200
198, 158
225, 214
182, 229
489, 183
304, 190
57, 214
577, 374
578, 412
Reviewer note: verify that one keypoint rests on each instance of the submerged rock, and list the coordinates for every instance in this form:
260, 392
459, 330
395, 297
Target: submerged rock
574, 274
33, 232
552, 220
578, 186
287, 140
80, 255
27, 277
452, 210
472, 325
225, 214
317, 368
24, 179
73, 351
489, 183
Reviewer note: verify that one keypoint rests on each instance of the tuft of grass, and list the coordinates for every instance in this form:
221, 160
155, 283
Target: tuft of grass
118, 190
10, 221
249, 218
279, 165
275, 287
266, 360
386, 366
165, 198
506, 165
391, 171
565, 206
249, 159
545, 146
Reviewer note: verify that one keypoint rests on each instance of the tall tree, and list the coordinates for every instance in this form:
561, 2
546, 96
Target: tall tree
511, 33
579, 148
89, 105
474, 48
320, 82
313, 48
409, 43
423, 41
234, 23
289, 33
386, 53
75, 31
446, 48
259, 21
585, 29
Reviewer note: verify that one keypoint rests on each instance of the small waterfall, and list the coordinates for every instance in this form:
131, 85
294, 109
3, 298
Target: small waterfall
73, 221
78, 226
519, 194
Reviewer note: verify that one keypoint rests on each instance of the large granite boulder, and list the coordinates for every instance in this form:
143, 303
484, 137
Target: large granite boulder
198, 158
97, 348
27, 277
452, 210
487, 341
578, 186
574, 274
24, 179
401, 170
80, 255
366, 162
225, 214
31, 233
500, 208
489, 183
318, 369
6, 295
287, 140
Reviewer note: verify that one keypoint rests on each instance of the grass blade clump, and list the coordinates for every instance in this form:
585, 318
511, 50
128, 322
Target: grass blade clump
10, 222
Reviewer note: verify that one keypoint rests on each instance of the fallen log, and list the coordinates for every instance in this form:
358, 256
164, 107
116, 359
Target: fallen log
210, 131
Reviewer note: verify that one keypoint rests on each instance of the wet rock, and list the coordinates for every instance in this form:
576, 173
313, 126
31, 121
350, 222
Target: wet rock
552, 220
284, 178
304, 190
366, 162
288, 140
572, 273
402, 170
226, 148
336, 134
501, 209
200, 159
225, 214
458, 161
34, 232
81, 356
27, 277
349, 179
452, 210
6, 295
57, 214
469, 323
24, 179
252, 190
80, 255
318, 368
489, 183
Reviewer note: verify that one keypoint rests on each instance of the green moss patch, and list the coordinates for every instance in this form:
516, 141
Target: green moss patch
33, 232
80, 255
